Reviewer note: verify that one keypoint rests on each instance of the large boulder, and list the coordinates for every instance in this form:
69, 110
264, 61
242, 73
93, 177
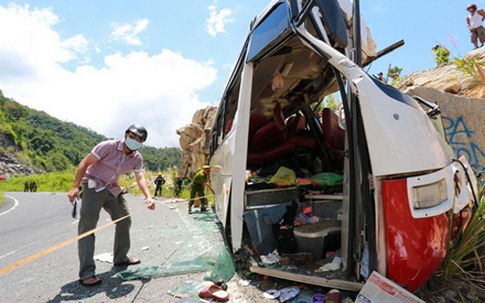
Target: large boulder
461, 98
462, 120
195, 141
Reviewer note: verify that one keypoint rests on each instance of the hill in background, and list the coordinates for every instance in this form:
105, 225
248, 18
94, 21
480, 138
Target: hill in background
32, 142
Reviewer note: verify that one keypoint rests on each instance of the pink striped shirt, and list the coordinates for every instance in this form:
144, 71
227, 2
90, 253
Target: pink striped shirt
112, 163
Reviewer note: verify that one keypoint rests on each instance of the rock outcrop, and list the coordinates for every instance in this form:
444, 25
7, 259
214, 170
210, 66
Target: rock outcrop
10, 165
195, 141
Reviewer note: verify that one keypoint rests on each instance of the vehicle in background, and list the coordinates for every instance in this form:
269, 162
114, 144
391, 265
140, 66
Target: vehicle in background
377, 178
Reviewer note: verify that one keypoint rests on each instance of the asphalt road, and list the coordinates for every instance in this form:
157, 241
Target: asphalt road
32, 224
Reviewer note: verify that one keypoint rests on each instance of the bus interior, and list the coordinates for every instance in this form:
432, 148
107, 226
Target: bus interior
294, 171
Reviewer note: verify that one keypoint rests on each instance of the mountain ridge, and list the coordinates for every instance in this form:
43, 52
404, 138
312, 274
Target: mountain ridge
32, 141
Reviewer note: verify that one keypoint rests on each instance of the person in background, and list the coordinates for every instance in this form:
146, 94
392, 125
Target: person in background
178, 186
159, 181
380, 76
199, 182
33, 186
98, 173
474, 23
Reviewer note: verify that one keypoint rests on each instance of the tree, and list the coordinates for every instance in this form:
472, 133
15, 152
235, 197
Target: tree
56, 162
331, 102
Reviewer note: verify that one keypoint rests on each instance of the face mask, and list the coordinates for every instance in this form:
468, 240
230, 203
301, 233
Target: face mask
132, 144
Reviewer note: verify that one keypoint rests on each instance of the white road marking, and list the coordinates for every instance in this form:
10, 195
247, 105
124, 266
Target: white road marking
8, 254
12, 208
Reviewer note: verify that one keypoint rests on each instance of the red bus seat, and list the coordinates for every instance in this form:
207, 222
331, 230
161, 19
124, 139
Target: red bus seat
334, 135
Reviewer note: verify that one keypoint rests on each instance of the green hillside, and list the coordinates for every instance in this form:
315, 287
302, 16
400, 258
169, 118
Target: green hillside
53, 145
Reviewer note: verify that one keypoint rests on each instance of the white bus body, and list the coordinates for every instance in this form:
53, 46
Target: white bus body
400, 181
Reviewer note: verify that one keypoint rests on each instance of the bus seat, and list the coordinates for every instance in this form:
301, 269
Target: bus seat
334, 135
279, 151
269, 141
256, 121
267, 137
306, 142
229, 125
255, 159
272, 154
296, 125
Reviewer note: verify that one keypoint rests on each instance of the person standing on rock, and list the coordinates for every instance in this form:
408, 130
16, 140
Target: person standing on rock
159, 181
474, 23
98, 173
198, 184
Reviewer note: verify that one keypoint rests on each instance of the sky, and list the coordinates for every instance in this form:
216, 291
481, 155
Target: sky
107, 64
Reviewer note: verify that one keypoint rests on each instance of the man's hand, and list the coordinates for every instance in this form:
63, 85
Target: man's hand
74, 192
151, 203
210, 188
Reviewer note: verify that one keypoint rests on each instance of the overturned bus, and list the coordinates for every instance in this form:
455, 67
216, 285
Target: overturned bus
373, 183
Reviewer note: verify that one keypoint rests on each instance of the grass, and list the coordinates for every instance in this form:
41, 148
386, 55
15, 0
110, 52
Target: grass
472, 67
462, 271
50, 182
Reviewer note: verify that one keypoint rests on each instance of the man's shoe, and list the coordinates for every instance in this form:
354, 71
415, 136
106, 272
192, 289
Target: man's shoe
130, 261
90, 281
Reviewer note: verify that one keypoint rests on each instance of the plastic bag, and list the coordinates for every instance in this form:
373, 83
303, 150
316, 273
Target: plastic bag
277, 82
283, 177
327, 179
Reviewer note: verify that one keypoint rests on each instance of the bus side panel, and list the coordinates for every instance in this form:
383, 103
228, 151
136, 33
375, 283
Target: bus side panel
401, 138
239, 156
221, 178
415, 248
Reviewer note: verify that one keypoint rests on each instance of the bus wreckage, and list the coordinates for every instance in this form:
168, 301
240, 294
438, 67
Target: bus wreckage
368, 187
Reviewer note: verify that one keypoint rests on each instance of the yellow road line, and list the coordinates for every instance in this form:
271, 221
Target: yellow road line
36, 256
